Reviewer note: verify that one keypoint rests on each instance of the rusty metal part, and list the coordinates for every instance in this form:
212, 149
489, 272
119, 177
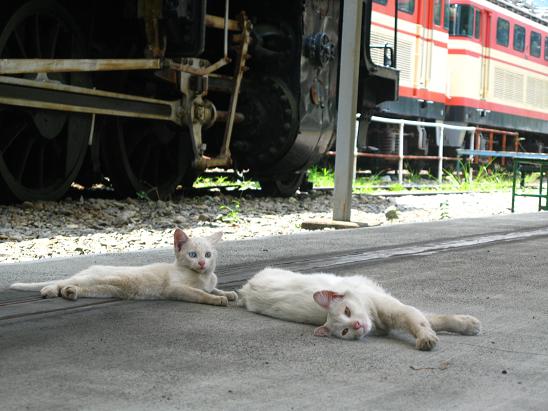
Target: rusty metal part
198, 71
238, 75
29, 66
26, 66
56, 96
492, 133
151, 11
222, 116
217, 22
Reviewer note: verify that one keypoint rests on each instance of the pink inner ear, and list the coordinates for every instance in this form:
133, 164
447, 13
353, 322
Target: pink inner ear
325, 297
321, 331
179, 238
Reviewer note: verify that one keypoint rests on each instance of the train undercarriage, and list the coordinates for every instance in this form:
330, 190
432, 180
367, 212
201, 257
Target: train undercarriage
150, 93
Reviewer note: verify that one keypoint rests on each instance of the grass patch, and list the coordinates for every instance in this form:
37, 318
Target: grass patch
488, 177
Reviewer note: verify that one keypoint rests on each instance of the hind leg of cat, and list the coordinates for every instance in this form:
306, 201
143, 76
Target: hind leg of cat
408, 318
53, 290
72, 292
460, 324
50, 291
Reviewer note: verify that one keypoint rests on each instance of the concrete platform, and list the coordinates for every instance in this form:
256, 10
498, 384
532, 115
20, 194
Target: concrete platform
173, 355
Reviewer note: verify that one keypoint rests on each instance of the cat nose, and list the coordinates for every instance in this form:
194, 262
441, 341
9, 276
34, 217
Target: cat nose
357, 325
201, 263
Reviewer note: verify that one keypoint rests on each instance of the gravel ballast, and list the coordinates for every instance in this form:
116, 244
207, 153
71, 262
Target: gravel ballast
39, 230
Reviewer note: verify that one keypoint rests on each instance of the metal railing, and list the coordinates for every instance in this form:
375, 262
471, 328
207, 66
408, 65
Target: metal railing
401, 157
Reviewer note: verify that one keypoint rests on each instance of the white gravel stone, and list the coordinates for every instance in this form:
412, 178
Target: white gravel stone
39, 230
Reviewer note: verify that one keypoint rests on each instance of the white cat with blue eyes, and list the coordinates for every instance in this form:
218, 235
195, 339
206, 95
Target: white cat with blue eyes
190, 278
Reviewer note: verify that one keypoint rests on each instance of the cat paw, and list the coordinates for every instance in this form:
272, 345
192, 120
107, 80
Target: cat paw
50, 291
470, 325
69, 292
231, 295
427, 341
222, 301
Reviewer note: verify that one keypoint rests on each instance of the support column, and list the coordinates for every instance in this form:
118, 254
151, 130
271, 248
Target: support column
346, 117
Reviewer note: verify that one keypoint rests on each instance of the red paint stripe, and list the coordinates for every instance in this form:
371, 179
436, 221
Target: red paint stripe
501, 108
414, 93
419, 93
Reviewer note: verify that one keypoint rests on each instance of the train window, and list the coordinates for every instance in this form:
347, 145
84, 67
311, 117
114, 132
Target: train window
437, 12
519, 38
407, 6
534, 45
503, 32
477, 25
461, 20
546, 48
446, 13
383, 2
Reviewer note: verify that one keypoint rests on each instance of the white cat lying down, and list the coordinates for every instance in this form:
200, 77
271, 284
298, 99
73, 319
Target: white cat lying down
345, 307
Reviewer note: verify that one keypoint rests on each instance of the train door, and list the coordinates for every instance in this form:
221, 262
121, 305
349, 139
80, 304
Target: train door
424, 45
484, 31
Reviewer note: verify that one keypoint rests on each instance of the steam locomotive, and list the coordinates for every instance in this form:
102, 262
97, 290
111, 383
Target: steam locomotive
150, 93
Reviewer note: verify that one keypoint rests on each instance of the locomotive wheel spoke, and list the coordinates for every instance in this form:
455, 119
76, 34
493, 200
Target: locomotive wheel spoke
40, 164
20, 43
11, 135
23, 159
37, 40
54, 38
145, 156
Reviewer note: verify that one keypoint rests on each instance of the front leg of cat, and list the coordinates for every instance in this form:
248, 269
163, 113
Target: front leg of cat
408, 318
193, 295
230, 295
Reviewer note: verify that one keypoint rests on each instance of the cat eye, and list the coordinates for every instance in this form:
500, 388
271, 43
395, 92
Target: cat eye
208, 254
192, 254
345, 331
347, 312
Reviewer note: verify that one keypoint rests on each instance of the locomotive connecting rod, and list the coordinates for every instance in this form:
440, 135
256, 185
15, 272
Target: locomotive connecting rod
55, 96
28, 66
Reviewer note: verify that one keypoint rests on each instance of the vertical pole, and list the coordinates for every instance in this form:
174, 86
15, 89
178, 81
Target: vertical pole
346, 116
540, 187
514, 176
440, 155
400, 154
470, 167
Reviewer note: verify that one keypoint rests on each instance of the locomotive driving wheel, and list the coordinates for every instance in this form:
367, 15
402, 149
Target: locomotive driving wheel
145, 157
41, 151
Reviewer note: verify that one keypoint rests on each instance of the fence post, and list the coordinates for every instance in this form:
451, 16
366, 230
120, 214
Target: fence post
400, 154
440, 155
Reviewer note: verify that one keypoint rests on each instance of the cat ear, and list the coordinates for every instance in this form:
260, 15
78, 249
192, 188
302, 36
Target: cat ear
215, 237
179, 238
322, 331
325, 298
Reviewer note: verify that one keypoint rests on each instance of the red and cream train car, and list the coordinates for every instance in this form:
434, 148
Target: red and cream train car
467, 62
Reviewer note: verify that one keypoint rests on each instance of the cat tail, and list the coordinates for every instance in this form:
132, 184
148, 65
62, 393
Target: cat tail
30, 286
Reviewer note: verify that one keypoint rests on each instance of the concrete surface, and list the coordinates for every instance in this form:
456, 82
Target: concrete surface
173, 355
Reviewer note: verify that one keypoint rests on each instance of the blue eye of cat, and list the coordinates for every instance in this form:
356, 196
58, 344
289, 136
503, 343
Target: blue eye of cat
192, 254
208, 254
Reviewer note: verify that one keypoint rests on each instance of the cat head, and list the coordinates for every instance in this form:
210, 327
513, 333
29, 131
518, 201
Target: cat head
199, 253
346, 317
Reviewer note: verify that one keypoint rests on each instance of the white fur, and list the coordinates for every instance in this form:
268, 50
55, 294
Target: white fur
190, 278
326, 300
